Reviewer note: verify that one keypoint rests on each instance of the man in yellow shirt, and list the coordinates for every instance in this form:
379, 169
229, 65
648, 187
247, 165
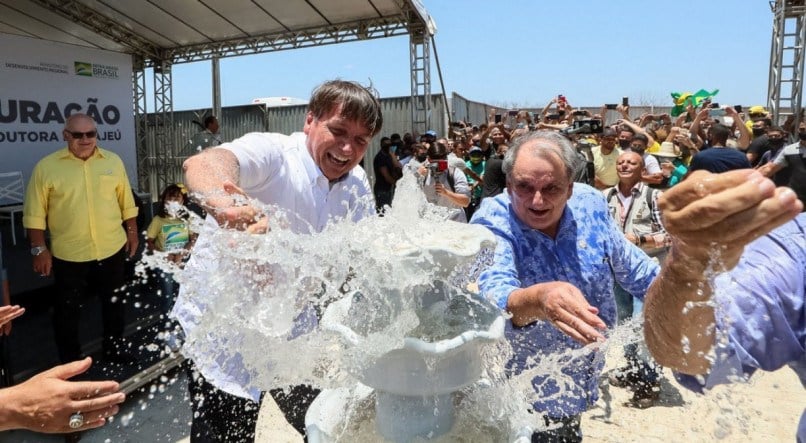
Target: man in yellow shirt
604, 160
81, 194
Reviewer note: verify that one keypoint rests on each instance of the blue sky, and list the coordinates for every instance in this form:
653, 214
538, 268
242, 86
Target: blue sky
523, 52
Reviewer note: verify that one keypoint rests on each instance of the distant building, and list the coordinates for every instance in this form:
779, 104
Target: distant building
272, 102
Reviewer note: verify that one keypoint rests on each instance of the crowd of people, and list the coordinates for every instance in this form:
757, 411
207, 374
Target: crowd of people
591, 217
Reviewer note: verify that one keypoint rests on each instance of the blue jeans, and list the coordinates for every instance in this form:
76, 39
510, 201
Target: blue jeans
168, 288
628, 306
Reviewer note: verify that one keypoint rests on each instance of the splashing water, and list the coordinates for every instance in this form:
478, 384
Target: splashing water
262, 295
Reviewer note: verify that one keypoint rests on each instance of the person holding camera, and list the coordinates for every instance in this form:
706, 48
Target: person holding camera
443, 184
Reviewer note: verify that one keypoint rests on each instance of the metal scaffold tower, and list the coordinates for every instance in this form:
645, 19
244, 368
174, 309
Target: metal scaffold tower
420, 58
785, 89
163, 155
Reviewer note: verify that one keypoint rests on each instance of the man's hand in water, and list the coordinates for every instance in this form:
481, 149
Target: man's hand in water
241, 215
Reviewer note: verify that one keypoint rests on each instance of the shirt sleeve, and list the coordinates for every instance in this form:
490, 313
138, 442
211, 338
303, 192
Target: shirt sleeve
780, 159
460, 185
128, 209
259, 159
35, 204
652, 165
498, 280
153, 228
759, 309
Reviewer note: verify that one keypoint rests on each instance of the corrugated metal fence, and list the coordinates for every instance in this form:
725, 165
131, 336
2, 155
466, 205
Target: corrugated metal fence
236, 121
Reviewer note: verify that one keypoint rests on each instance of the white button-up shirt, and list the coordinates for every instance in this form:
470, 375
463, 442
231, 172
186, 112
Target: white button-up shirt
277, 170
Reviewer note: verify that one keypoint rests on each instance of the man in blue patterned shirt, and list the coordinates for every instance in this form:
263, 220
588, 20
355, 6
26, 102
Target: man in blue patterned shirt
557, 256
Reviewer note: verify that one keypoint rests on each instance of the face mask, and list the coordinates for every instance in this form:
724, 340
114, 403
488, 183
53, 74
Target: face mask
421, 158
758, 131
776, 143
624, 143
174, 209
802, 135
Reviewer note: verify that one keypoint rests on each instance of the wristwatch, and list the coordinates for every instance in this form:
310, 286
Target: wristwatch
36, 250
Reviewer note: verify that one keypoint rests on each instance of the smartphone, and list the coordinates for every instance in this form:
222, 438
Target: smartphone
580, 113
498, 118
613, 106
513, 113
625, 101
738, 108
714, 105
716, 113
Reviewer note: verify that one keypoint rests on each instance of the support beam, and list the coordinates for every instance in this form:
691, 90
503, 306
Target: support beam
785, 87
216, 87
164, 170
420, 59
140, 121
319, 36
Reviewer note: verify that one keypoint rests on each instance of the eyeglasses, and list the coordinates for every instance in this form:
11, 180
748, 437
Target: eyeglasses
79, 135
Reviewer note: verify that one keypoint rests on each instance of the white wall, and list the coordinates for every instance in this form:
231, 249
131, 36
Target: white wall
41, 83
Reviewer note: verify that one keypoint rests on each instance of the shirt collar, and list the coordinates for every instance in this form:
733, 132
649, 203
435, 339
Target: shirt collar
313, 171
65, 153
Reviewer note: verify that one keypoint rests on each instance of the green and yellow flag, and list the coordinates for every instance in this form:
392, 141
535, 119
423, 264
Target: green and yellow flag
683, 99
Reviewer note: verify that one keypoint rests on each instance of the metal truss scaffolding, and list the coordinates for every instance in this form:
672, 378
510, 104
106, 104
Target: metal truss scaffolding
134, 26
140, 123
164, 166
785, 89
419, 49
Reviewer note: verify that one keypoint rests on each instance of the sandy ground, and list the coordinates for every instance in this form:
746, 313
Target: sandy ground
765, 410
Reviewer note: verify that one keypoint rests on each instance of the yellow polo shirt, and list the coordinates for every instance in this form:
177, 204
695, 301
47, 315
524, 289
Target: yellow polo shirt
82, 203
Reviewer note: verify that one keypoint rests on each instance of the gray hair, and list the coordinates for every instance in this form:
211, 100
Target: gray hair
553, 143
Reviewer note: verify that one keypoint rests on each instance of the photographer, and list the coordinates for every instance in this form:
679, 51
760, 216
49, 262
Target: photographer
444, 185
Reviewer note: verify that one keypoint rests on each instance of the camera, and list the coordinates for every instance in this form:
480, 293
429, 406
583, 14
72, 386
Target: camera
585, 127
438, 168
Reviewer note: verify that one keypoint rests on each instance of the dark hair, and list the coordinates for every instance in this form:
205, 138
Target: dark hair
776, 129
386, 143
209, 120
437, 151
641, 137
609, 132
719, 134
170, 191
358, 103
626, 128
395, 136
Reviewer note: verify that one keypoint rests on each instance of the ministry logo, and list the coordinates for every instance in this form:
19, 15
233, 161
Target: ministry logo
83, 68
96, 70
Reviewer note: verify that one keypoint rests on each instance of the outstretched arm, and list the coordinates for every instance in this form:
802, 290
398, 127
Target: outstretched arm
703, 214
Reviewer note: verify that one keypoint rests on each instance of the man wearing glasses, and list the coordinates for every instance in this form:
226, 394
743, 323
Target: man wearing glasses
81, 194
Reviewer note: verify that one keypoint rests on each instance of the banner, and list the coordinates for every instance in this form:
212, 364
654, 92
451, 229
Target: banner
43, 82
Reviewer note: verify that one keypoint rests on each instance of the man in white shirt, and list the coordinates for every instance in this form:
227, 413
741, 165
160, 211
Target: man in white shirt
314, 176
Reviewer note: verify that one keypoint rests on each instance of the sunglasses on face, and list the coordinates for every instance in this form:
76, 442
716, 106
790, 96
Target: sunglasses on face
79, 135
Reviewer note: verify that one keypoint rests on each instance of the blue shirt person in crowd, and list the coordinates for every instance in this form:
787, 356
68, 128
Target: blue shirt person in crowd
756, 299
557, 256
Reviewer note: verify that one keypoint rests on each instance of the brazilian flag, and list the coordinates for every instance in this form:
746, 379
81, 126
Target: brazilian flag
683, 99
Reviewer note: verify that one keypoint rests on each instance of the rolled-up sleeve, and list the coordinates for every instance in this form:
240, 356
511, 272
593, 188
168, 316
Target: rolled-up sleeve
35, 204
